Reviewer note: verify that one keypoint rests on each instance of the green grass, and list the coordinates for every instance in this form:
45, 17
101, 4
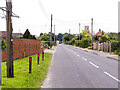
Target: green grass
50, 49
22, 78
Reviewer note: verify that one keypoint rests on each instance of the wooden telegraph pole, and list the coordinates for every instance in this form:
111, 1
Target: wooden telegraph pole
69, 35
79, 31
92, 32
8, 16
54, 35
9, 39
51, 32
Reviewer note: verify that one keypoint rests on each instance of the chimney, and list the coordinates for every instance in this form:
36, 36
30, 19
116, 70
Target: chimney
99, 30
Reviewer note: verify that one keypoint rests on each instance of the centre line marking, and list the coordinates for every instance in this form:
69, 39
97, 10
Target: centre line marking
93, 64
112, 76
84, 59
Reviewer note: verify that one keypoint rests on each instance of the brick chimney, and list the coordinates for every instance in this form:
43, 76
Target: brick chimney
99, 30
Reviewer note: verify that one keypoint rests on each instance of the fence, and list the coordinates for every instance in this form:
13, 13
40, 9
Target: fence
106, 46
23, 47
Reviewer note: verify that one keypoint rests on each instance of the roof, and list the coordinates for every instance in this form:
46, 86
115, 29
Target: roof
16, 34
99, 33
4, 34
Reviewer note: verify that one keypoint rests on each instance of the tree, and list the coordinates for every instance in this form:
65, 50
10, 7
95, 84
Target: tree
119, 36
41, 34
104, 38
66, 37
26, 34
113, 36
60, 36
45, 38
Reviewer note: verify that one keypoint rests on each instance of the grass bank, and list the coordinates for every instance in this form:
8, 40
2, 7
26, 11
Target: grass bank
22, 78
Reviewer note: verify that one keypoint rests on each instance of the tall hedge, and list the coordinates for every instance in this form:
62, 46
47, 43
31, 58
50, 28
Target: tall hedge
115, 46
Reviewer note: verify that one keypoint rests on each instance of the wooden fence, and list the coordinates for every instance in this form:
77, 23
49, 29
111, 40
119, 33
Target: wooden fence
106, 46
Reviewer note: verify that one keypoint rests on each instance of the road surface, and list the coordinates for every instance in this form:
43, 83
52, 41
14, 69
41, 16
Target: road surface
75, 68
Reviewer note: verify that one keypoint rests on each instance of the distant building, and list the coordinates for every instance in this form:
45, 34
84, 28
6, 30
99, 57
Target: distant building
4, 34
87, 28
16, 34
98, 34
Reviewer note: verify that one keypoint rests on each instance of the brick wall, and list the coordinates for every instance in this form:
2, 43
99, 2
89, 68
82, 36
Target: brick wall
23, 47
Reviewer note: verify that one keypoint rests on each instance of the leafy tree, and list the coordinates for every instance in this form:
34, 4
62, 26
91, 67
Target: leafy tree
60, 36
119, 36
3, 44
66, 37
33, 37
45, 38
113, 36
104, 38
103, 33
41, 34
26, 34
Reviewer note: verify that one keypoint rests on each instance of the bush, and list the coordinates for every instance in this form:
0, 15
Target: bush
104, 38
68, 42
3, 44
117, 52
115, 46
73, 41
84, 43
47, 42
77, 42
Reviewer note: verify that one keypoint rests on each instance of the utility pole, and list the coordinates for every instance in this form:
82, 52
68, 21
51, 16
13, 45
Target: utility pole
54, 35
9, 39
69, 34
51, 32
8, 16
92, 32
79, 31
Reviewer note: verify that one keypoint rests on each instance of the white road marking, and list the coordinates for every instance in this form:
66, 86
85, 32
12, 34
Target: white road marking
84, 59
93, 64
78, 55
111, 76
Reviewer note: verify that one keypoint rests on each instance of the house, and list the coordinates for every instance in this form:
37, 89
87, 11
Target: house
3, 34
98, 34
87, 28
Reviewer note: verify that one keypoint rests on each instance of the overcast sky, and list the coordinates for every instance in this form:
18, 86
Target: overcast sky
67, 14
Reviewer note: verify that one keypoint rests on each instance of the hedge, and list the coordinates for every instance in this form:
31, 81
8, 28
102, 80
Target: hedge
47, 42
84, 43
115, 46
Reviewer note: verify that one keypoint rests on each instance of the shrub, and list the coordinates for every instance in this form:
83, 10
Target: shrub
117, 52
115, 46
84, 43
104, 38
47, 42
77, 42
3, 44
73, 41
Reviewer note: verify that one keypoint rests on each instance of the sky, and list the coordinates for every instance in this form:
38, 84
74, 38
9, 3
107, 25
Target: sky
67, 14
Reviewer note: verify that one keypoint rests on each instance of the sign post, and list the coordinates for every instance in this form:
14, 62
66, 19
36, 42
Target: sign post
38, 58
30, 64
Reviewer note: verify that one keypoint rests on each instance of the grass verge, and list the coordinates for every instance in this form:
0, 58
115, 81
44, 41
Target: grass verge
22, 78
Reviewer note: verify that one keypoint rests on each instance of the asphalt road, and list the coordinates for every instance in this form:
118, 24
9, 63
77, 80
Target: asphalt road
75, 68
